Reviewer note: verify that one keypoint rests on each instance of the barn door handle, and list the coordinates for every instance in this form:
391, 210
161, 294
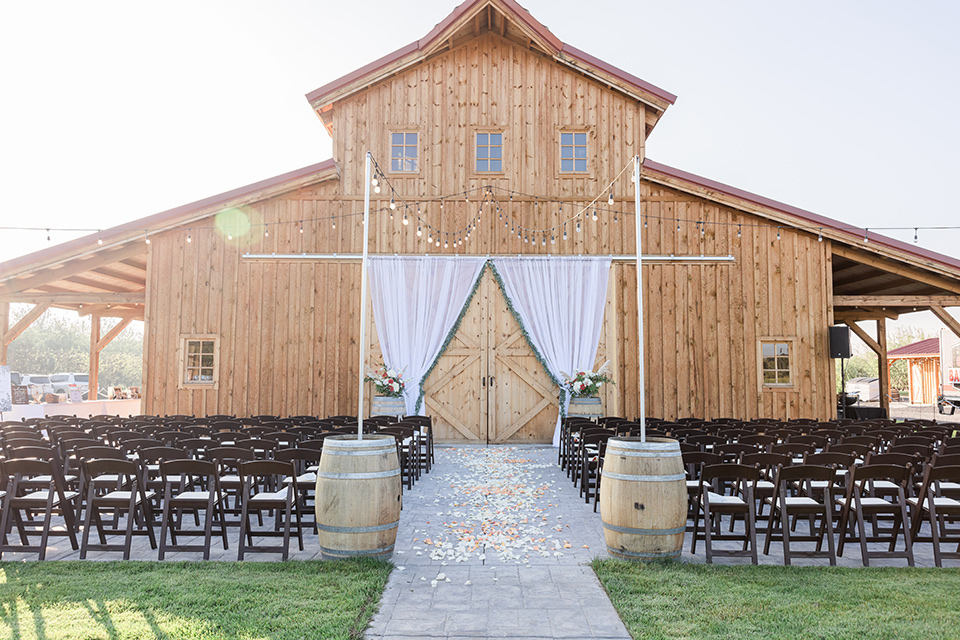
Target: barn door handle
492, 378
483, 381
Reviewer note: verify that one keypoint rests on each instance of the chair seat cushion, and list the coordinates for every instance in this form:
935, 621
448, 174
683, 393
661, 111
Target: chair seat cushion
938, 502
716, 498
271, 496
193, 496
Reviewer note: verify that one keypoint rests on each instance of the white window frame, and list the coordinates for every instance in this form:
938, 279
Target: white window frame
400, 168
586, 151
790, 342
183, 361
476, 151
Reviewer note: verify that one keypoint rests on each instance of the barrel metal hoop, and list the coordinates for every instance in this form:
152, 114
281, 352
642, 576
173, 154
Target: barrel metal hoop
635, 478
373, 452
368, 441
642, 454
377, 527
372, 475
339, 553
637, 445
641, 554
645, 532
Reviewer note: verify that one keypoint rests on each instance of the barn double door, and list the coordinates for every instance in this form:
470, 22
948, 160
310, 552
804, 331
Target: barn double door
488, 386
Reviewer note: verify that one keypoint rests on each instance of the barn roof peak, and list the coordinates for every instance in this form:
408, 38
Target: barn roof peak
471, 19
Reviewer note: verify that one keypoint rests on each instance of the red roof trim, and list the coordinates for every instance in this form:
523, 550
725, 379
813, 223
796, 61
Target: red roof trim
158, 221
619, 73
927, 347
520, 14
815, 221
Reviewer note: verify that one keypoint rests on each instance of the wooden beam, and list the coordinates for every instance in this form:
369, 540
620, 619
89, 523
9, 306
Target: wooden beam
890, 265
133, 278
896, 301
946, 319
50, 274
4, 327
76, 298
858, 315
93, 384
882, 372
120, 311
113, 333
863, 335
11, 334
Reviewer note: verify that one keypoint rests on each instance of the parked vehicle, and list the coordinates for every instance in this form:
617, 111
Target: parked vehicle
949, 398
67, 382
37, 385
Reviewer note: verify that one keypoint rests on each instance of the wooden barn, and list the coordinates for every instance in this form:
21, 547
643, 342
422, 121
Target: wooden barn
492, 138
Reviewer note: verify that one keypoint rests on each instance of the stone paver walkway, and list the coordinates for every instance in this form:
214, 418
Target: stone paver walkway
495, 542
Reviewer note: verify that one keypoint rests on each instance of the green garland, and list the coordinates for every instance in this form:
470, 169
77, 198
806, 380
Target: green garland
533, 347
450, 336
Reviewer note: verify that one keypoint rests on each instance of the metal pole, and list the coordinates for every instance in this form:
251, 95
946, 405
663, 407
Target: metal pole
636, 199
363, 294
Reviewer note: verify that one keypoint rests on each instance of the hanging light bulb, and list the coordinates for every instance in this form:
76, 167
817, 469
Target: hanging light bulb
333, 223
544, 242
610, 199
438, 241
406, 220
266, 231
820, 235
594, 215
229, 236
375, 181
703, 229
553, 239
644, 220
48, 235
678, 225
446, 243
301, 226
778, 233
430, 237
914, 235
393, 203
189, 239
419, 231
564, 231
865, 232
146, 238
99, 239
578, 226
739, 230
376, 188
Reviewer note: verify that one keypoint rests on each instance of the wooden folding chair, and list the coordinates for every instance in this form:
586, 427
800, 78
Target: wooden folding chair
941, 511
726, 489
794, 495
860, 502
269, 486
127, 495
191, 486
31, 486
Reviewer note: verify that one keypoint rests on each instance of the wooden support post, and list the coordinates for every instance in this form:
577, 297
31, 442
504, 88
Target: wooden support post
946, 319
4, 327
882, 370
13, 332
94, 382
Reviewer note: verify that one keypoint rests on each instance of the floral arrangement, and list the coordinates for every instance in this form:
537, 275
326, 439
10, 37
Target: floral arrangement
387, 382
586, 384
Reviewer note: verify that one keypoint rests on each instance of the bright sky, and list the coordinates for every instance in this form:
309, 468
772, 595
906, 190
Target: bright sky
114, 110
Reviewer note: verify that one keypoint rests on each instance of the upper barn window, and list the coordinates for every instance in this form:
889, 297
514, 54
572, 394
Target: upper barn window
489, 152
573, 152
404, 152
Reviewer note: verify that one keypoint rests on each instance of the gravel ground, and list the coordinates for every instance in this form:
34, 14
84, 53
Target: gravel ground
905, 410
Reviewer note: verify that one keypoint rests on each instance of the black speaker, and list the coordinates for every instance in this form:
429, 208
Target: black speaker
840, 341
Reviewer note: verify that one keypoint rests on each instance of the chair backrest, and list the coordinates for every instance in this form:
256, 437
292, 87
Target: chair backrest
817, 441
799, 472
891, 472
297, 455
100, 466
171, 470
896, 458
32, 452
156, 454
764, 461
830, 458
103, 452
315, 443
229, 456
859, 450
732, 452
705, 439
729, 472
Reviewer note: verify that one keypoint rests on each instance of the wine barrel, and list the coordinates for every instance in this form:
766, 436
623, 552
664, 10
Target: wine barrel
358, 496
643, 498
384, 406
585, 407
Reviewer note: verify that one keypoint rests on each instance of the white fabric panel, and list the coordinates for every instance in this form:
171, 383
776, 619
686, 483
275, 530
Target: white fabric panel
560, 302
416, 301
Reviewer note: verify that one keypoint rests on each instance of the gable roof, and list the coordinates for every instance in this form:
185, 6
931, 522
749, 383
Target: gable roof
520, 21
928, 347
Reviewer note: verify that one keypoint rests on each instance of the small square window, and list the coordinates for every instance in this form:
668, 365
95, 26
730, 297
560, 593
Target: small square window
573, 152
404, 152
200, 361
489, 153
775, 363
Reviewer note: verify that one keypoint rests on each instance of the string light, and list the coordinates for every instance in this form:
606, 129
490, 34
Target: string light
406, 220
189, 239
301, 226
578, 226
594, 215
739, 231
99, 239
146, 237
778, 233
610, 199
419, 231
393, 203
820, 235
915, 235
266, 231
48, 235
865, 232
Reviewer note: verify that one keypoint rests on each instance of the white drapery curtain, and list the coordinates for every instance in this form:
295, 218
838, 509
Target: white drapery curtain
559, 302
416, 303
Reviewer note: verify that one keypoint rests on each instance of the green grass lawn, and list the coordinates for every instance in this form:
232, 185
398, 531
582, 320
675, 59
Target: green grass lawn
700, 601
195, 600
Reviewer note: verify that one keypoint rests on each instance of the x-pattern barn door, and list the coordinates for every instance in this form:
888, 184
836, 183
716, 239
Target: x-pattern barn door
488, 385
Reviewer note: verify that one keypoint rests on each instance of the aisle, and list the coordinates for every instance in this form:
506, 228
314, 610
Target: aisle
495, 542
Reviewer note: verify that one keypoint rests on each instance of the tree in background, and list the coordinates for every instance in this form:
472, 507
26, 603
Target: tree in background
864, 363
59, 342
